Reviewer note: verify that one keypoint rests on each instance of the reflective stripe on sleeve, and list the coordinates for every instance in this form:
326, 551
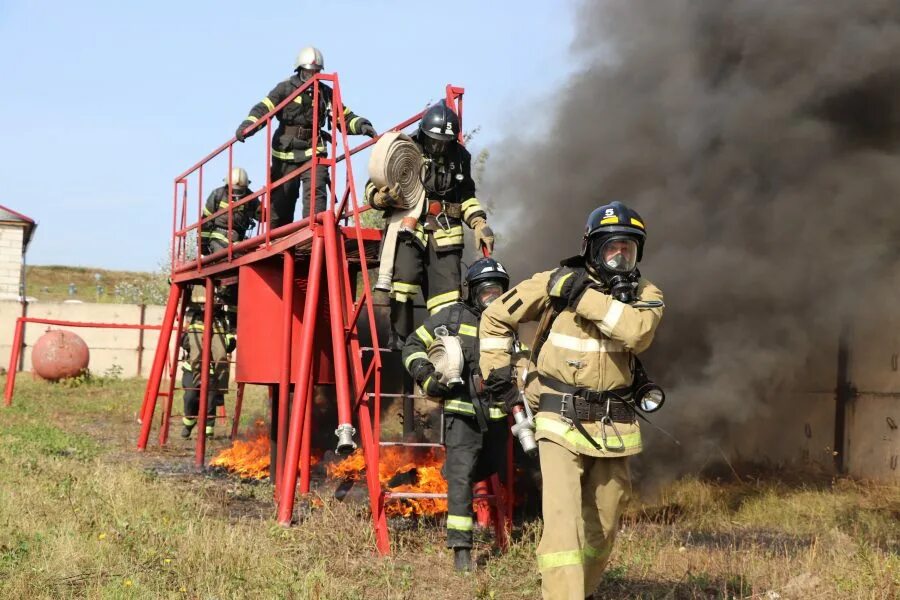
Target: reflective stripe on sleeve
557, 287
251, 118
611, 319
468, 330
495, 343
269, 104
283, 155
436, 302
412, 357
425, 336
470, 207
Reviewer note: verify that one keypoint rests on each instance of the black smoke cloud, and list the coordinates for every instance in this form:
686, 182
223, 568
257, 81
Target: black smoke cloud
759, 140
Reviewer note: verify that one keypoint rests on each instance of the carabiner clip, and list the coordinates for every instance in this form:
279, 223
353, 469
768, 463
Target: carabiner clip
607, 421
445, 226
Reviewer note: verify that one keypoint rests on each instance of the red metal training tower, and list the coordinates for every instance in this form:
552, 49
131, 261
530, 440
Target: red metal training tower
291, 330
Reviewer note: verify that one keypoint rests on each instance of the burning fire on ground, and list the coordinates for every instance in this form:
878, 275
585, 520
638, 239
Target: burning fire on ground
402, 470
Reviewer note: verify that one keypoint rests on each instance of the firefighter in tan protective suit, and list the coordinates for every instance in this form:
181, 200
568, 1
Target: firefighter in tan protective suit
596, 313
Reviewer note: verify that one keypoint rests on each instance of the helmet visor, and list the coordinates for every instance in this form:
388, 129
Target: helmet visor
487, 292
618, 254
307, 71
434, 147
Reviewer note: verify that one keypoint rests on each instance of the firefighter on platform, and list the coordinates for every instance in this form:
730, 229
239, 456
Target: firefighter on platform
429, 260
215, 233
221, 345
596, 314
292, 140
475, 432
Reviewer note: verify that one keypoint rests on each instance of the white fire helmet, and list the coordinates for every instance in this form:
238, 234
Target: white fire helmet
310, 58
239, 178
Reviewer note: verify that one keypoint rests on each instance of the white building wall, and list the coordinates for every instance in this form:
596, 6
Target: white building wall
11, 239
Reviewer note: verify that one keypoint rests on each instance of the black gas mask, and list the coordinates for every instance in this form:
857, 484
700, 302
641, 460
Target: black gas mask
434, 147
306, 74
614, 260
485, 293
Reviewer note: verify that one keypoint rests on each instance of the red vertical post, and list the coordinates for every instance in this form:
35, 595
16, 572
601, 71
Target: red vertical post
500, 532
306, 440
13, 362
284, 380
159, 363
345, 430
510, 476
307, 336
238, 404
173, 374
208, 309
229, 191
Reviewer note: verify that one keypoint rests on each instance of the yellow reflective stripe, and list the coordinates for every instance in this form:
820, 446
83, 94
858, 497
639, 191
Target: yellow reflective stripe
223, 204
440, 299
596, 554
406, 288
213, 235
401, 297
269, 104
574, 437
186, 366
351, 126
557, 287
569, 558
187, 421
468, 330
283, 155
636, 222
459, 523
251, 118
425, 336
495, 413
608, 220
346, 111
459, 406
495, 343
412, 357
454, 231
299, 99
206, 212
470, 207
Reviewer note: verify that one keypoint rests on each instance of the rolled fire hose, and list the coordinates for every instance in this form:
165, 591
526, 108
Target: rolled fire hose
396, 160
447, 357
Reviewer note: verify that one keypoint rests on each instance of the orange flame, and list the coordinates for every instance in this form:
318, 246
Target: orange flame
422, 467
250, 459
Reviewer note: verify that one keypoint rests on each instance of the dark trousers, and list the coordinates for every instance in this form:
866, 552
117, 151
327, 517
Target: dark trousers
284, 197
192, 399
436, 273
471, 457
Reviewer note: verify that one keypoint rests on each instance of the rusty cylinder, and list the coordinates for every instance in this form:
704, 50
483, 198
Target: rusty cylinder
59, 354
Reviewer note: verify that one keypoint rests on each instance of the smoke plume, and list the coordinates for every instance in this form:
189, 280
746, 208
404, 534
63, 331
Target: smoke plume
759, 140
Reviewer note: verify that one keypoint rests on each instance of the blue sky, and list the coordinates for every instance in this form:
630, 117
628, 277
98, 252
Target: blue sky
106, 102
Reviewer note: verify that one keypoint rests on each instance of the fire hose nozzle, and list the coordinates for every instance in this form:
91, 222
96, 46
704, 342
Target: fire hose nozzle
345, 444
524, 430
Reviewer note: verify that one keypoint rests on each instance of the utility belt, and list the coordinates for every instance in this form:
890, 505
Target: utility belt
581, 404
305, 133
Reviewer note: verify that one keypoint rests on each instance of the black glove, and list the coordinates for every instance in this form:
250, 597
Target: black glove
423, 372
367, 129
575, 281
232, 344
500, 387
239, 134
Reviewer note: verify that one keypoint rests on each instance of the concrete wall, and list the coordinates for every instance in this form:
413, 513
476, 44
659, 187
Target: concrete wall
11, 239
109, 347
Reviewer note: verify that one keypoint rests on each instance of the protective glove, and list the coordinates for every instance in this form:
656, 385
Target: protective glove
484, 235
232, 343
239, 134
423, 373
569, 284
387, 197
501, 387
367, 129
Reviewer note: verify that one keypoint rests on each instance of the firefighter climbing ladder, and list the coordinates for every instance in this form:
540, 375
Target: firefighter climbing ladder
291, 330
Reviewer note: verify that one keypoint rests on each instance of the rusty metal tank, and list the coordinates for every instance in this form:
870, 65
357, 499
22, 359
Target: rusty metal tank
59, 354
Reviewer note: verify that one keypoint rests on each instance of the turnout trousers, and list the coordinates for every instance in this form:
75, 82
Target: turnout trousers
582, 502
471, 457
433, 272
284, 197
214, 398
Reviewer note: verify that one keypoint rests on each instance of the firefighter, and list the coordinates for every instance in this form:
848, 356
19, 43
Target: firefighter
215, 233
475, 432
292, 141
221, 344
596, 314
429, 260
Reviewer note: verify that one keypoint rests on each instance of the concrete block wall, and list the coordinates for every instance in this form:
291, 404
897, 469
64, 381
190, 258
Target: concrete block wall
109, 347
11, 239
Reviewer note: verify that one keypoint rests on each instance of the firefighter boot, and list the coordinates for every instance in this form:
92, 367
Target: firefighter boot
188, 427
210, 432
461, 559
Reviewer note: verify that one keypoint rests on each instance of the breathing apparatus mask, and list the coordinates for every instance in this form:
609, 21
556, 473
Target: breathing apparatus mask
485, 293
613, 259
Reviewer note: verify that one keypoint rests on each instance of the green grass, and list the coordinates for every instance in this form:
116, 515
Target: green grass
83, 515
51, 284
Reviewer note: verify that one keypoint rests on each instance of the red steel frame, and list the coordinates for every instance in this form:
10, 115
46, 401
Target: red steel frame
15, 351
327, 244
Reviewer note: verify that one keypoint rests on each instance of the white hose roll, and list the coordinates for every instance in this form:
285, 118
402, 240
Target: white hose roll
396, 160
447, 357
